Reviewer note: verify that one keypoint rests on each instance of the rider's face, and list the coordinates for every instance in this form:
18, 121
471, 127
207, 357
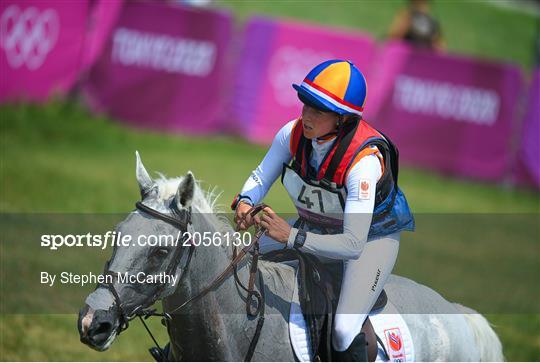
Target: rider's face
318, 123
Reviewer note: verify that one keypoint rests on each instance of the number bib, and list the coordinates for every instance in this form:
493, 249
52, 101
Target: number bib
317, 204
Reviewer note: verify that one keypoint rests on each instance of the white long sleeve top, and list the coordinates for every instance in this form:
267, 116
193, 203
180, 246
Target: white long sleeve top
358, 206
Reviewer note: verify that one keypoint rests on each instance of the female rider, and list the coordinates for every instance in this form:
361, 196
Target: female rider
341, 174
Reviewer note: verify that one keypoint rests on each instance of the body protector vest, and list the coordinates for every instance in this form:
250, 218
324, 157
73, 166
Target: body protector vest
319, 196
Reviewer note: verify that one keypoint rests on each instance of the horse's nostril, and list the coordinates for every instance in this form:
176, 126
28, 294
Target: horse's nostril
103, 328
100, 332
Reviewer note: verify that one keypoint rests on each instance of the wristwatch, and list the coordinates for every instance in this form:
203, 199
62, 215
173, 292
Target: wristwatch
239, 197
300, 239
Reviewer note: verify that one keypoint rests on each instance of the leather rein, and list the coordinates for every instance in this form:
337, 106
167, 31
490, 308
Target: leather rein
182, 220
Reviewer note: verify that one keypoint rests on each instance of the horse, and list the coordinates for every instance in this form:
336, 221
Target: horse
213, 328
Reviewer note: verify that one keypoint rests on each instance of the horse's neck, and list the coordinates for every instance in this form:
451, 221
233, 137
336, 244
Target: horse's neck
209, 262
205, 326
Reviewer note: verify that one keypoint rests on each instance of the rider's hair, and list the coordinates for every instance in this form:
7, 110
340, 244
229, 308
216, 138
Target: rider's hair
347, 118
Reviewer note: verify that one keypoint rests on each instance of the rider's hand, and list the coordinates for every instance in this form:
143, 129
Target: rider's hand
241, 214
276, 227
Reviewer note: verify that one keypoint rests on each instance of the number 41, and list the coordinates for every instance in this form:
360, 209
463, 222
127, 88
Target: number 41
305, 200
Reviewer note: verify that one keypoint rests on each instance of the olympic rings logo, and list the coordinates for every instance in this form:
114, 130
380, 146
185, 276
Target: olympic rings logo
28, 36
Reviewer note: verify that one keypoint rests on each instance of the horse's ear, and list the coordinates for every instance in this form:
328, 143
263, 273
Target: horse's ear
185, 192
143, 178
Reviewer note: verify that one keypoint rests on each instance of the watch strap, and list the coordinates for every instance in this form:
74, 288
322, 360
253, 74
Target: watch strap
240, 198
300, 239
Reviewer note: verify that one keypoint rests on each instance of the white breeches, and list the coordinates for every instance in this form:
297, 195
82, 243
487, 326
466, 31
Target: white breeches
363, 281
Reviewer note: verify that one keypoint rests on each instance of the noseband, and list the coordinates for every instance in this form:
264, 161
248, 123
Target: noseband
181, 219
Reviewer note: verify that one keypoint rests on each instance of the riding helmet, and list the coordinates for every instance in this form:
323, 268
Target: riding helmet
335, 85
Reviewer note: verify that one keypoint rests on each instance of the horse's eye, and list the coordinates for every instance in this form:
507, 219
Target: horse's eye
160, 252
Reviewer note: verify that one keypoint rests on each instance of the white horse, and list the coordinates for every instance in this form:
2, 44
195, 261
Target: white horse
215, 328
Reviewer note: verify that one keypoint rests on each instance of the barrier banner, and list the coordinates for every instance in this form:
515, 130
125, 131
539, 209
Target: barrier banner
447, 113
277, 53
163, 68
102, 19
528, 166
41, 45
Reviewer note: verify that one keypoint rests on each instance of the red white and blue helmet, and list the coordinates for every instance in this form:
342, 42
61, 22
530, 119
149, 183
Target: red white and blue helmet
335, 85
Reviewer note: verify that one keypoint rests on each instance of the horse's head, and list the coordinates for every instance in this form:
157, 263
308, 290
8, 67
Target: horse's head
164, 211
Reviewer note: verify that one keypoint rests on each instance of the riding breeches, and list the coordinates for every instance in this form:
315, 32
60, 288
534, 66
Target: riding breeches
363, 281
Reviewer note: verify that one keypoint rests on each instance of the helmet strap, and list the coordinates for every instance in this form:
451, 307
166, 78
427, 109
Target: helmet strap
332, 133
340, 123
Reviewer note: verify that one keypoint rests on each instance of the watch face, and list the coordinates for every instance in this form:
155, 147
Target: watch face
300, 239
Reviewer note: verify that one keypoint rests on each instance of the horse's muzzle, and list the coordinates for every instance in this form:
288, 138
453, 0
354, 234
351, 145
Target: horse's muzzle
97, 328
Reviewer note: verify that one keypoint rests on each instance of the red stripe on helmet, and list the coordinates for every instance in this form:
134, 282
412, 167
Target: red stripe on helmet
329, 94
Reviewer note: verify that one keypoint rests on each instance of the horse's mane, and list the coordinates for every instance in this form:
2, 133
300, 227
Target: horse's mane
204, 200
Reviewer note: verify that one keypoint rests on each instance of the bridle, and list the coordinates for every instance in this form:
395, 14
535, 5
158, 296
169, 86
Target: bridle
181, 219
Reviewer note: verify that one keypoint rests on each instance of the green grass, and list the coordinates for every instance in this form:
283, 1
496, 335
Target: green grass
473, 28
476, 243
54, 337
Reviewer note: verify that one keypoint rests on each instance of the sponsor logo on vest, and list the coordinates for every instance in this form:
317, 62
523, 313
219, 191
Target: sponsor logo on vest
364, 189
446, 100
395, 343
162, 52
28, 36
376, 280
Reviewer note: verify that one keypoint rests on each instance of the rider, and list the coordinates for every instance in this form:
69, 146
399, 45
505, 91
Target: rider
341, 174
